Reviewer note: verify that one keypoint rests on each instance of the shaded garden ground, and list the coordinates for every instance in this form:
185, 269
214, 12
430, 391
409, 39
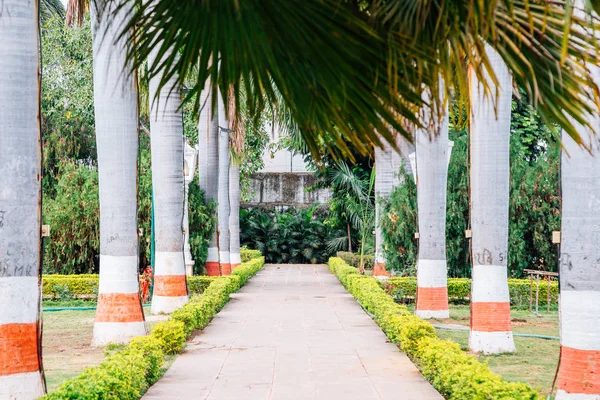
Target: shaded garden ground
66, 342
534, 362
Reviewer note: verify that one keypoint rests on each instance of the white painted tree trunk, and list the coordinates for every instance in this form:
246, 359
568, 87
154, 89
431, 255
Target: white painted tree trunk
208, 166
20, 202
491, 330
384, 180
223, 196
119, 316
387, 167
579, 374
432, 171
166, 127
234, 216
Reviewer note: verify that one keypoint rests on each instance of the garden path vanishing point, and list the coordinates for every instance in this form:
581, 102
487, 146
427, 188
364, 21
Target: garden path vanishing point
292, 332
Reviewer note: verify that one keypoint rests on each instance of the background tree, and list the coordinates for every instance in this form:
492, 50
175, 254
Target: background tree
21, 375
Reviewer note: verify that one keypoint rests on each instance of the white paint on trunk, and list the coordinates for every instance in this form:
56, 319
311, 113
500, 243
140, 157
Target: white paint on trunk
117, 332
437, 314
224, 257
491, 342
169, 263
562, 395
21, 386
490, 180
167, 304
234, 211
223, 209
235, 258
580, 319
431, 273
490, 284
118, 274
213, 254
18, 299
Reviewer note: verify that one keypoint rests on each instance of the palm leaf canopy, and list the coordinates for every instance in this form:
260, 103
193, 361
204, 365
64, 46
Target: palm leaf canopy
49, 8
356, 72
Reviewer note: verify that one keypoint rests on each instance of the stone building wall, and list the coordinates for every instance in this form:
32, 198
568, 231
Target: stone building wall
280, 190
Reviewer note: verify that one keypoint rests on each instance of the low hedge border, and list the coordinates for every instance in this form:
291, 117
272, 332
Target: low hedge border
459, 290
454, 373
85, 286
128, 373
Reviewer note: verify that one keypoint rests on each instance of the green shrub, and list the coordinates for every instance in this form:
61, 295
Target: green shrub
290, 237
451, 371
353, 259
246, 254
170, 334
459, 290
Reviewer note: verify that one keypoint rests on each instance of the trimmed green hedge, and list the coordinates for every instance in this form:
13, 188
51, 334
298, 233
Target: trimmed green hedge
353, 259
459, 289
128, 373
454, 373
85, 286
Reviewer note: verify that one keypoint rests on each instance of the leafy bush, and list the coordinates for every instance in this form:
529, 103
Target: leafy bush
246, 254
170, 334
128, 373
353, 259
459, 290
293, 236
202, 220
455, 374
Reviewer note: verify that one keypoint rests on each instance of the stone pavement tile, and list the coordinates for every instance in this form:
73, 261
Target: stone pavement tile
292, 332
235, 390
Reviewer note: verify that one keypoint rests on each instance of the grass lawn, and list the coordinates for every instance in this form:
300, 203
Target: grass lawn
66, 342
535, 360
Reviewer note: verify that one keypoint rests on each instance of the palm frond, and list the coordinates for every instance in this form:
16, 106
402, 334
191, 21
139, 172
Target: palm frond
49, 8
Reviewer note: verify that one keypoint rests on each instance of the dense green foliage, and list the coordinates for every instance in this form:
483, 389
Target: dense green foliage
289, 237
70, 182
128, 373
459, 290
454, 373
534, 203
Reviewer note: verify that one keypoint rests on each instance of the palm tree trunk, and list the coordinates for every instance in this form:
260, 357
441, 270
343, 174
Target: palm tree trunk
490, 173
208, 164
119, 316
579, 373
432, 172
223, 196
166, 127
20, 203
384, 177
234, 216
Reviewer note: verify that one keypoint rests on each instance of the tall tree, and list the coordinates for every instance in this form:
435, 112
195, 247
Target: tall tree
166, 127
236, 128
579, 373
208, 166
490, 175
223, 193
20, 202
119, 316
432, 178
384, 182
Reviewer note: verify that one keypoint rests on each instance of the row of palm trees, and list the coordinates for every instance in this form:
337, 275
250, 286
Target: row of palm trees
119, 315
347, 75
490, 324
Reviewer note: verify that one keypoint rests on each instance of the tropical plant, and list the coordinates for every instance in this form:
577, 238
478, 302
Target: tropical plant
432, 176
20, 202
372, 60
579, 273
168, 191
290, 237
116, 112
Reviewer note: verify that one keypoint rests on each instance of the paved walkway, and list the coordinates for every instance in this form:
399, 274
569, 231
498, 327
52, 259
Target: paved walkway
293, 332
